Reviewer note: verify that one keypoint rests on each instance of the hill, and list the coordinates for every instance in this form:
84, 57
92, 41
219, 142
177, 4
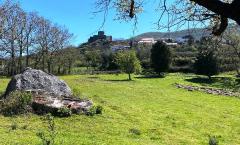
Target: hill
197, 33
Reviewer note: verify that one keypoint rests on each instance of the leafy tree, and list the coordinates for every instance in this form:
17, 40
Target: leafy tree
93, 58
160, 57
233, 41
206, 64
143, 53
128, 62
108, 62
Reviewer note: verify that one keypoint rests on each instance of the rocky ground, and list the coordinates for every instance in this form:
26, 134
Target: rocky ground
215, 91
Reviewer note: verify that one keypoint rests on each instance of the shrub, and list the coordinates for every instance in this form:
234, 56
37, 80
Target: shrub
64, 112
99, 109
49, 137
206, 64
91, 111
94, 110
14, 126
135, 131
213, 140
16, 103
25, 126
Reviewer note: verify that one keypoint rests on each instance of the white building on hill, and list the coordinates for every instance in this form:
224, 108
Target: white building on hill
147, 40
153, 41
120, 47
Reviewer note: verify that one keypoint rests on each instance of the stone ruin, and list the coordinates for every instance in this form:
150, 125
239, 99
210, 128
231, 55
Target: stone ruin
49, 92
214, 91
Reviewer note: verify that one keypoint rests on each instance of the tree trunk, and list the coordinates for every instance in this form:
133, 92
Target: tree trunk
13, 64
20, 60
69, 67
210, 78
129, 77
43, 61
49, 66
27, 57
59, 69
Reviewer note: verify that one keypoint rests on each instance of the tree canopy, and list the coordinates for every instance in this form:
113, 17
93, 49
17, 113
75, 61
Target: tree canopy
128, 62
217, 12
160, 57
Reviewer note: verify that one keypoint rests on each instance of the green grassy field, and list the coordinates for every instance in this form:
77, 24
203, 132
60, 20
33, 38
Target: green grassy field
159, 112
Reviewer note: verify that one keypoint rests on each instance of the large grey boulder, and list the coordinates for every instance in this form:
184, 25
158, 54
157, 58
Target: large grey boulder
32, 79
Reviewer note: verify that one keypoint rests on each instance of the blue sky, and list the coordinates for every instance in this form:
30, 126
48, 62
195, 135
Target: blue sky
77, 16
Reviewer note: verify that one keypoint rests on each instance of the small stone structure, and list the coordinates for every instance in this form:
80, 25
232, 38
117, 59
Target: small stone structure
215, 91
49, 93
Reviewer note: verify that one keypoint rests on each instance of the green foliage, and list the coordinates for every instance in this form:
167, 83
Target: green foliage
16, 103
213, 140
160, 57
25, 126
143, 52
93, 58
99, 109
91, 111
48, 138
135, 131
108, 61
206, 64
95, 110
64, 112
128, 62
14, 126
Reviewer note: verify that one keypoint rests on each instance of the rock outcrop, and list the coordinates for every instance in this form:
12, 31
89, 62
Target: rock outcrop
50, 94
32, 79
45, 103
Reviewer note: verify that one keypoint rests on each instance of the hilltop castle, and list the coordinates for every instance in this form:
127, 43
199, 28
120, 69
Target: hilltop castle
100, 36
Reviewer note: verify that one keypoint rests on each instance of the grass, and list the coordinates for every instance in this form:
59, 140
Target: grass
146, 111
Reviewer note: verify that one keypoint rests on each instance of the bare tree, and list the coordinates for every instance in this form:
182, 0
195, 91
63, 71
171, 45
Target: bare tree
30, 34
60, 39
27, 35
180, 11
21, 29
10, 32
43, 38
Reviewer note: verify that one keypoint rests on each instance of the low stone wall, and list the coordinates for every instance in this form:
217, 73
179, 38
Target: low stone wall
215, 91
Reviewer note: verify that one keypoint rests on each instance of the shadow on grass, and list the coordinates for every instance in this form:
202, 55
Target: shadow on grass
93, 77
149, 77
125, 80
202, 80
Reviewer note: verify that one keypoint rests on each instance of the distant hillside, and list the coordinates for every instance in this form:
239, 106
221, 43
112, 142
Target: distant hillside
196, 33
